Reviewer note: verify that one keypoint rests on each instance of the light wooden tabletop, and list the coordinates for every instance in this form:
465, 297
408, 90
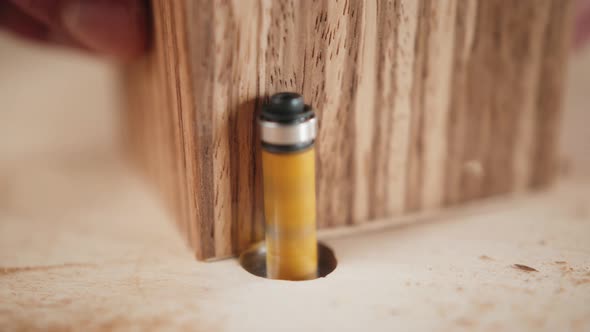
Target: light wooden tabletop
85, 244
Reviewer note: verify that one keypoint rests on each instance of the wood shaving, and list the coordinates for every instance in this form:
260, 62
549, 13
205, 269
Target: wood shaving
524, 268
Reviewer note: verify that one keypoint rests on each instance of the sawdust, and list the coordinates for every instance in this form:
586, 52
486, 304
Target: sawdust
578, 282
575, 276
12, 270
465, 322
566, 270
486, 258
484, 306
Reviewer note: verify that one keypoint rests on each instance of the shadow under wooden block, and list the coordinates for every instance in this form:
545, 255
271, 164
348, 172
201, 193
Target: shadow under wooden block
421, 104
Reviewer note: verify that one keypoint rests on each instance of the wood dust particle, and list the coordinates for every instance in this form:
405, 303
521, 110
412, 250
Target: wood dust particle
465, 322
485, 306
581, 281
560, 262
486, 258
524, 268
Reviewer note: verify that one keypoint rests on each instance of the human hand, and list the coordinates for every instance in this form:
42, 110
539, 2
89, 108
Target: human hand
116, 28
582, 23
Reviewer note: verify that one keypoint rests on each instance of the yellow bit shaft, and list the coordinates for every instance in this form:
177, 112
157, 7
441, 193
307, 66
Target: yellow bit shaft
290, 213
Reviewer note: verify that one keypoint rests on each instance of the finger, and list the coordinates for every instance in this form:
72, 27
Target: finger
20, 23
16, 21
45, 11
114, 27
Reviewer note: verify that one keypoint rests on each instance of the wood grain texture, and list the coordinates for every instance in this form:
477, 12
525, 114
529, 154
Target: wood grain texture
421, 104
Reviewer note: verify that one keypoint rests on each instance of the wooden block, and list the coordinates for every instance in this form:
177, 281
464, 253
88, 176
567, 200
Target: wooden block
422, 104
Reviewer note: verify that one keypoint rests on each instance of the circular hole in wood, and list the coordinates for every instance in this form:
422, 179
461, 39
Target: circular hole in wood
253, 260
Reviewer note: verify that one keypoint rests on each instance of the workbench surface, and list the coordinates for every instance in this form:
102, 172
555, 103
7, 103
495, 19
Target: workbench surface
86, 245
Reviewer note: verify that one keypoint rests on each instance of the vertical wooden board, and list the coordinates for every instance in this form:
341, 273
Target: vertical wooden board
169, 122
397, 151
243, 127
225, 43
476, 102
550, 92
529, 69
203, 196
465, 29
422, 104
437, 89
387, 21
224, 116
428, 144
511, 52
364, 112
416, 141
336, 117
